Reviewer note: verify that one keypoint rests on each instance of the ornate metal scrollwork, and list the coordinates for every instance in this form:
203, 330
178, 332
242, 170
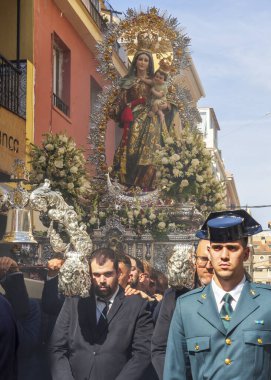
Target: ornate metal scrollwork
181, 267
74, 278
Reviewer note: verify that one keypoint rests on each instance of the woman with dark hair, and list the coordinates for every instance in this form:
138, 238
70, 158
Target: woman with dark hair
142, 133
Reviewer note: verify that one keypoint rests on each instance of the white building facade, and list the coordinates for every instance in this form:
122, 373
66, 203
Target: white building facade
209, 128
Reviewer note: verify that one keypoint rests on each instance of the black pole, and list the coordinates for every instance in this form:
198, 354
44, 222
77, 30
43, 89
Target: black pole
18, 33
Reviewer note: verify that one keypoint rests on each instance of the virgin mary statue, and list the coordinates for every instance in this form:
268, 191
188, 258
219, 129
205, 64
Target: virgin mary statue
134, 160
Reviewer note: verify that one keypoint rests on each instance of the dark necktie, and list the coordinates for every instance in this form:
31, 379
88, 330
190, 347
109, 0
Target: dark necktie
102, 323
226, 310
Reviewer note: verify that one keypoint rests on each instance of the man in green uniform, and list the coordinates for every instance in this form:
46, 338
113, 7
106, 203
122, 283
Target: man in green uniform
223, 330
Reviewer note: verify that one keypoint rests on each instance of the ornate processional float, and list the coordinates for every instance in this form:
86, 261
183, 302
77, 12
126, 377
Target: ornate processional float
160, 183
152, 196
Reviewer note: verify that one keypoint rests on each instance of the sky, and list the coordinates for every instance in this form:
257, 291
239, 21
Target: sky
231, 50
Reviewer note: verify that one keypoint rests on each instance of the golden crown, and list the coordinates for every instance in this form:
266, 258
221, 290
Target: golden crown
165, 65
148, 41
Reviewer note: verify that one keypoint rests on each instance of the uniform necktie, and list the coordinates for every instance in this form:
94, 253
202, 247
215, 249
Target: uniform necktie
226, 310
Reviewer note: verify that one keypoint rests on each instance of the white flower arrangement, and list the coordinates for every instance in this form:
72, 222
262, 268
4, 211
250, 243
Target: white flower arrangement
185, 172
139, 219
59, 160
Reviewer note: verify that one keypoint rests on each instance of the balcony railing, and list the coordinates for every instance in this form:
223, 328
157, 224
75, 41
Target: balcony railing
95, 14
102, 24
13, 86
60, 105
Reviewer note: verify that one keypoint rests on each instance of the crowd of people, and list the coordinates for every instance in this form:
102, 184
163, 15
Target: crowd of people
136, 292
134, 325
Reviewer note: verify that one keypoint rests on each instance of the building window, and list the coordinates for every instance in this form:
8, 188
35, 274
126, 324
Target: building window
211, 124
203, 127
61, 75
215, 138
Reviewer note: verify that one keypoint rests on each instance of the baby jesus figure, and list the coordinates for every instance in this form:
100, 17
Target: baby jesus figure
159, 91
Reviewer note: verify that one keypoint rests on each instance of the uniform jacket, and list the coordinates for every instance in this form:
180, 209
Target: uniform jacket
243, 352
121, 351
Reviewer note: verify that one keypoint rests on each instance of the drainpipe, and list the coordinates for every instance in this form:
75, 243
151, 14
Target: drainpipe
18, 33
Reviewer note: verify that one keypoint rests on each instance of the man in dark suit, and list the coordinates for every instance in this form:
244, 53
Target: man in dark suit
27, 315
105, 336
8, 341
51, 300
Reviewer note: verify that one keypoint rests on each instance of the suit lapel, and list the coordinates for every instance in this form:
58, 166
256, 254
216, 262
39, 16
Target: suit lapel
92, 309
116, 305
208, 309
245, 306
87, 316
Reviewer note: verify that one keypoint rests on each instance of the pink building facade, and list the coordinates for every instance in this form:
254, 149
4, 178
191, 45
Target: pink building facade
66, 80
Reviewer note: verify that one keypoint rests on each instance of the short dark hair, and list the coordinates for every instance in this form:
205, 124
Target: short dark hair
101, 255
161, 72
125, 260
161, 281
139, 263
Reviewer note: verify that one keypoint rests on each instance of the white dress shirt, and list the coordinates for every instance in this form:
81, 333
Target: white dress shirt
101, 305
235, 293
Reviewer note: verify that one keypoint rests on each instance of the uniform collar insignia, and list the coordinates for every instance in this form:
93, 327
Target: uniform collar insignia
252, 292
204, 296
260, 322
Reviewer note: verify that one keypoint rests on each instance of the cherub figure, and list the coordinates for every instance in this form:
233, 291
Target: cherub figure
159, 91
